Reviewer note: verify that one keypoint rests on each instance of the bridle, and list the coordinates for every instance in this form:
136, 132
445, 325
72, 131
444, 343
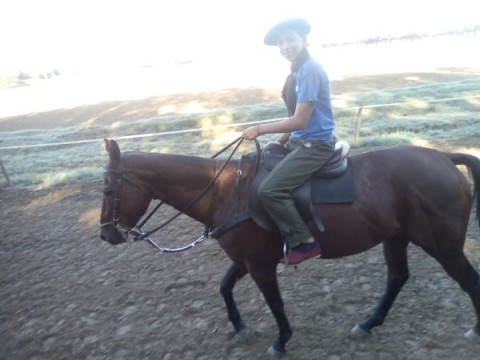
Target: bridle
121, 176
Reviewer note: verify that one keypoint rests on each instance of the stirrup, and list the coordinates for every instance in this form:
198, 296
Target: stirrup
285, 253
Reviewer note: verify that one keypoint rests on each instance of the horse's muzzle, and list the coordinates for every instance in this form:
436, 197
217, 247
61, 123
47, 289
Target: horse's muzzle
111, 235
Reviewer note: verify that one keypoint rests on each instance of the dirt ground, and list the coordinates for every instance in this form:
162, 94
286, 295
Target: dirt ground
67, 295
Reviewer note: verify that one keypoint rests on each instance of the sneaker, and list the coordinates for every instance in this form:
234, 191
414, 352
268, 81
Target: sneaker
302, 253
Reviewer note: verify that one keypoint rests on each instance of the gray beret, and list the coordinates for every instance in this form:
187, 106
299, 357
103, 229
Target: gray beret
301, 26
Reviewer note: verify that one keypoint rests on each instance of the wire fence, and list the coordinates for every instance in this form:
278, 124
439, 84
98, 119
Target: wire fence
358, 123
184, 131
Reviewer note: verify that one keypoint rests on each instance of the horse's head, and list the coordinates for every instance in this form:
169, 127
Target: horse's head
124, 199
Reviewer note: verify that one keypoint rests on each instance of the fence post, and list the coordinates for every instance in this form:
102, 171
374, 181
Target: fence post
357, 125
5, 172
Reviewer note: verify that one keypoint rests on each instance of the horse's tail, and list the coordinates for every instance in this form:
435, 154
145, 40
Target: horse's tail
473, 165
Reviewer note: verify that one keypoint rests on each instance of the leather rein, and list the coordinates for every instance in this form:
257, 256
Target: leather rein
137, 232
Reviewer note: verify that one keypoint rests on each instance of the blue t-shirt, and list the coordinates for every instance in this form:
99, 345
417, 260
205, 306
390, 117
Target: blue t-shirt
313, 85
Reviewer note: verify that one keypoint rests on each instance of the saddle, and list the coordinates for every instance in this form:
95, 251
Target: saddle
332, 184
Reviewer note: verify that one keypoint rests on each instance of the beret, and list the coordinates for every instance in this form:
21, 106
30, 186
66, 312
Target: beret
301, 26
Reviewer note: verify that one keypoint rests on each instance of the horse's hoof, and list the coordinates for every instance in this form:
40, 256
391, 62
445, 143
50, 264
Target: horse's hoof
472, 336
275, 353
358, 333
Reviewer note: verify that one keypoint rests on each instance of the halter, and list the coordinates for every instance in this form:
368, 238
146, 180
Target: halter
136, 231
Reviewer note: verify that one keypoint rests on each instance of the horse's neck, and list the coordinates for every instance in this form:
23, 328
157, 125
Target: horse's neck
183, 182
175, 172
200, 187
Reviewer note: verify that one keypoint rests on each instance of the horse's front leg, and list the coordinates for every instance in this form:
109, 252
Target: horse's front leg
395, 252
265, 276
234, 273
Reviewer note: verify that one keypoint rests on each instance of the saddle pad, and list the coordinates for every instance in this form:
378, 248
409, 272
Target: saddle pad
338, 190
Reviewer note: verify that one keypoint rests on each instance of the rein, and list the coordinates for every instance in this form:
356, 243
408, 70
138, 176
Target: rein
145, 236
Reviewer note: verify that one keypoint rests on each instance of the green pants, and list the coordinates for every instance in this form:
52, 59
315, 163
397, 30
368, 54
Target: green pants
275, 191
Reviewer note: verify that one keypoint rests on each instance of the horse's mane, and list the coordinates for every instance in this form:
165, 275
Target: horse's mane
155, 156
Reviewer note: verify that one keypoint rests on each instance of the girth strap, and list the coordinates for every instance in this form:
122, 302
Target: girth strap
234, 221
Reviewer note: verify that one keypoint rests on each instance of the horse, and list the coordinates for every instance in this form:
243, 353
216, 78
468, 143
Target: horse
403, 195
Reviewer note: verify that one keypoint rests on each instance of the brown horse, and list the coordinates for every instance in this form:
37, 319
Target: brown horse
402, 195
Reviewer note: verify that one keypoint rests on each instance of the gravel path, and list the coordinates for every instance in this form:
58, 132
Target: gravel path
67, 295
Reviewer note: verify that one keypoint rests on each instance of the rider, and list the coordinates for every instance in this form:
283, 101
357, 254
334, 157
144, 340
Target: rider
307, 132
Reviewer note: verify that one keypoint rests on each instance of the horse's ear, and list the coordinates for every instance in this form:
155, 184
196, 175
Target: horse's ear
113, 150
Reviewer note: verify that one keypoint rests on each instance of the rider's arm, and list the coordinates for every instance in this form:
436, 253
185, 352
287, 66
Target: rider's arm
298, 121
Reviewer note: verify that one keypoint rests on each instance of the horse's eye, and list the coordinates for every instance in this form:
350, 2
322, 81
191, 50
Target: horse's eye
108, 192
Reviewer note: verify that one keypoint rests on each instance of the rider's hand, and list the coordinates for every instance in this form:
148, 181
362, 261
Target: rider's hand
251, 133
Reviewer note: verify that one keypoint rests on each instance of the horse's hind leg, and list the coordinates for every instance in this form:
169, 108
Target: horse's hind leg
459, 268
233, 274
395, 252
